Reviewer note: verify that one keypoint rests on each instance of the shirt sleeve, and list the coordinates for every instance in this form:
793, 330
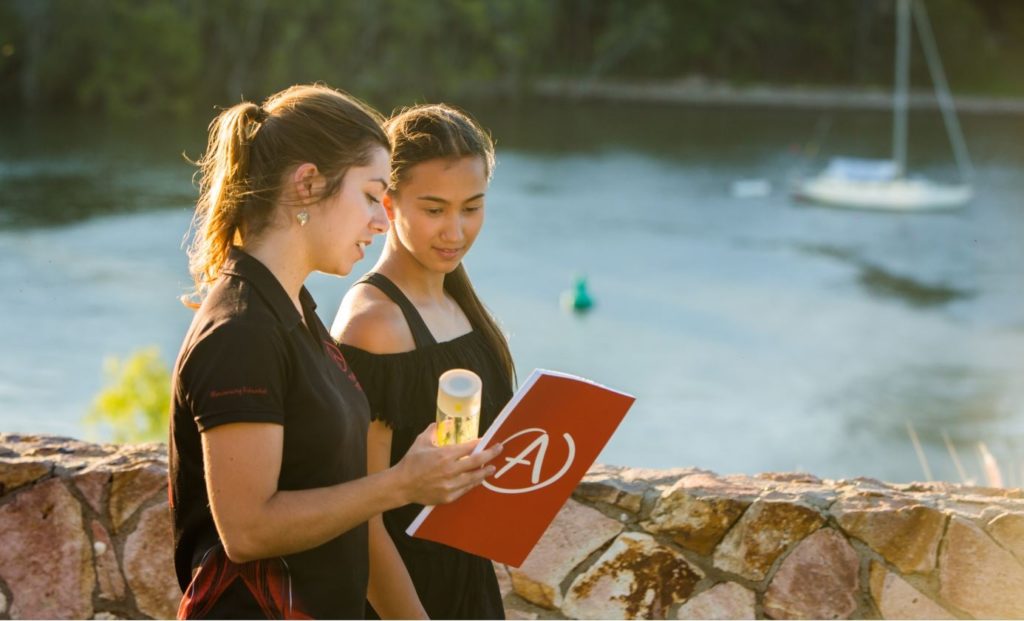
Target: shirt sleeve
238, 372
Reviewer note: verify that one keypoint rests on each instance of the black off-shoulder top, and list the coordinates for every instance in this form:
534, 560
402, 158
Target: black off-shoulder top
402, 391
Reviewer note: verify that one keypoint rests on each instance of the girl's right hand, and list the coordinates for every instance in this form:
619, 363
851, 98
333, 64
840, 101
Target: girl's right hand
434, 475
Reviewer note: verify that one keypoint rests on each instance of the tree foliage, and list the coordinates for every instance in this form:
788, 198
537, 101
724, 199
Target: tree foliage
135, 405
153, 57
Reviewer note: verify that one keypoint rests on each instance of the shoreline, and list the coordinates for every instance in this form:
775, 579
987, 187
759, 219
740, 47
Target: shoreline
694, 91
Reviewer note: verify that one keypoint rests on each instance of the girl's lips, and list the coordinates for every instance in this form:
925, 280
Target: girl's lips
448, 253
362, 248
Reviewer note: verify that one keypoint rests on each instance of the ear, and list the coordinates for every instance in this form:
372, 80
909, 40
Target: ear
307, 182
388, 202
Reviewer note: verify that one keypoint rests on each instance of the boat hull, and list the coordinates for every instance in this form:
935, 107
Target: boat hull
887, 195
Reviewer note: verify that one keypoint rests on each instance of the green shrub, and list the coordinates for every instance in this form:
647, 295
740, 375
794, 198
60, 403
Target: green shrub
135, 404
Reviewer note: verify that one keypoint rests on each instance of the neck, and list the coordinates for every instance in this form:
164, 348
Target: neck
405, 271
278, 255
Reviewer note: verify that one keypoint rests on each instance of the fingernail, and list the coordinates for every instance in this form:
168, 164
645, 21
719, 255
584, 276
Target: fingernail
490, 470
499, 448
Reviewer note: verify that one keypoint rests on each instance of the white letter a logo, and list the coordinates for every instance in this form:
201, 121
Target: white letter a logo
541, 446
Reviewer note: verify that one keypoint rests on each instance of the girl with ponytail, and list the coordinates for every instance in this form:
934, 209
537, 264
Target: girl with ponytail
268, 482
413, 317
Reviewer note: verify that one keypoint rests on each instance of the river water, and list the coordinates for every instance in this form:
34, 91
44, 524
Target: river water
757, 333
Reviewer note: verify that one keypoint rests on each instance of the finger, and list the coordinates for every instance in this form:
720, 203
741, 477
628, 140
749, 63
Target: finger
469, 480
495, 450
473, 462
481, 458
458, 451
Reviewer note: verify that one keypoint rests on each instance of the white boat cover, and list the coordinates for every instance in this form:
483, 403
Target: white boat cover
859, 169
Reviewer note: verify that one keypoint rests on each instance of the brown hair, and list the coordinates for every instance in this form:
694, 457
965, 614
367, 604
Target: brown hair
427, 132
250, 149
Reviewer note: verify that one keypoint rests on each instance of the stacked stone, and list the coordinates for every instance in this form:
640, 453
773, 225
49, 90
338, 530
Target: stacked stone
690, 544
85, 530
85, 533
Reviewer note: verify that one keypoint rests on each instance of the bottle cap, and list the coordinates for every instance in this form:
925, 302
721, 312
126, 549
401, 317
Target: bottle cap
457, 389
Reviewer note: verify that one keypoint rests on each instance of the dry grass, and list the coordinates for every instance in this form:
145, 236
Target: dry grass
991, 472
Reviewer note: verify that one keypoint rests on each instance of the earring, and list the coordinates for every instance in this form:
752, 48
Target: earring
302, 217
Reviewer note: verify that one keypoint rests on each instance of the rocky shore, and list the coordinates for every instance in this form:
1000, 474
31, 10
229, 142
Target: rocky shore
85, 533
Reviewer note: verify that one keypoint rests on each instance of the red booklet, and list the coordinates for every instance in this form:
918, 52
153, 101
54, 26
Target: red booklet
553, 429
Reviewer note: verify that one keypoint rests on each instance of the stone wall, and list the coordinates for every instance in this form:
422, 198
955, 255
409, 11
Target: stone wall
85, 533
84, 530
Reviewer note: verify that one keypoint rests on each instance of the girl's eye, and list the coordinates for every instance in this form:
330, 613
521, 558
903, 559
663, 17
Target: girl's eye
372, 198
473, 208
435, 211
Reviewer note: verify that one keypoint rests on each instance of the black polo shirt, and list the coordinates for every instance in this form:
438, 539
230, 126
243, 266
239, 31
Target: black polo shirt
250, 357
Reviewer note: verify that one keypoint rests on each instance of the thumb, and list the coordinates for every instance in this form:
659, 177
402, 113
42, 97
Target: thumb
428, 437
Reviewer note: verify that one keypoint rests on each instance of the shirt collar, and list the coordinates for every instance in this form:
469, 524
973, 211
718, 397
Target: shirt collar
246, 266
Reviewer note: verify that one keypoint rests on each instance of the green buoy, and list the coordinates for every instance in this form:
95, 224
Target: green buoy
578, 298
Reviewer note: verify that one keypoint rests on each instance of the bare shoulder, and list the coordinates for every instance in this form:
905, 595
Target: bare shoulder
369, 320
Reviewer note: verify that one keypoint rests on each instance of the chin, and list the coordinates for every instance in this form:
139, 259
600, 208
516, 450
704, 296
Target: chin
447, 268
342, 269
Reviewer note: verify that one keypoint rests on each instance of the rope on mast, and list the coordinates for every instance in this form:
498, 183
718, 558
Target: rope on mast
931, 54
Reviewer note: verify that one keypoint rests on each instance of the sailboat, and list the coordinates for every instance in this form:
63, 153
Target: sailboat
884, 184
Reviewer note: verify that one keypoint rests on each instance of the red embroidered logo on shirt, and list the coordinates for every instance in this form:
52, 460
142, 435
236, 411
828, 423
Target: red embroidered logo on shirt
339, 359
244, 390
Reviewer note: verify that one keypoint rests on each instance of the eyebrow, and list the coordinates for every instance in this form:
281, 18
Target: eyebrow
381, 181
438, 199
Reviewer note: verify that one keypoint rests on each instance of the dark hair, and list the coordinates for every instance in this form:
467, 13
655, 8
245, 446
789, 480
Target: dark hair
428, 132
250, 149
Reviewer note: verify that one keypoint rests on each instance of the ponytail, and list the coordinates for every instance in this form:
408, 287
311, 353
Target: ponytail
250, 150
224, 172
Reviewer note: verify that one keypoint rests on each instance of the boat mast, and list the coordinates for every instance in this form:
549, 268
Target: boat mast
942, 93
900, 98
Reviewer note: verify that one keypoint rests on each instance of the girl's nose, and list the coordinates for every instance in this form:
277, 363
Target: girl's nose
452, 231
379, 222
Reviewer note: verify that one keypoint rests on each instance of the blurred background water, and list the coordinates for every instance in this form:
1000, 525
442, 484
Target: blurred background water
757, 333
